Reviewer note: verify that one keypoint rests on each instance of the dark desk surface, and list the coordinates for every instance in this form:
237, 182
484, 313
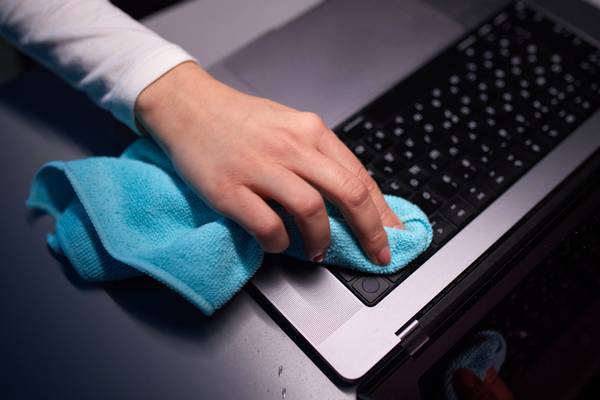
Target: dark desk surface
64, 338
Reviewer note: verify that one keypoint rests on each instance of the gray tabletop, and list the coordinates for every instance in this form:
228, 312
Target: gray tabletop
64, 338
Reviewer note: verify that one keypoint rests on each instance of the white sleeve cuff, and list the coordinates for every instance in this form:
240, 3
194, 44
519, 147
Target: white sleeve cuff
121, 99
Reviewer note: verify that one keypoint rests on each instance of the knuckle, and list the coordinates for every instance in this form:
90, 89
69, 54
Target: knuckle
356, 193
311, 206
268, 230
313, 123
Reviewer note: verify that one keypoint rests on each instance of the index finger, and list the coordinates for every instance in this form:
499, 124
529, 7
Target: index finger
333, 147
351, 196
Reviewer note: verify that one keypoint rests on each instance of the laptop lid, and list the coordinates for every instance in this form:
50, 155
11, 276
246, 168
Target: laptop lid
340, 55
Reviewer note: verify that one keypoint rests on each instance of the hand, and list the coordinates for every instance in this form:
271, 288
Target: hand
469, 387
239, 151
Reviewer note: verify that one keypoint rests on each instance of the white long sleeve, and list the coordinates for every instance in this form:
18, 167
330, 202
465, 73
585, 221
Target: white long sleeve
92, 45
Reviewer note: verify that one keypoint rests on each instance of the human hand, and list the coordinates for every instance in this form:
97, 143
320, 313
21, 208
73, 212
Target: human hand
239, 151
468, 386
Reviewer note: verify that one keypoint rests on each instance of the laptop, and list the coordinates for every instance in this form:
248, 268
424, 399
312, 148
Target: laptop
477, 126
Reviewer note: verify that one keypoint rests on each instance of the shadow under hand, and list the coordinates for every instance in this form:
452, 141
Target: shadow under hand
165, 311
158, 307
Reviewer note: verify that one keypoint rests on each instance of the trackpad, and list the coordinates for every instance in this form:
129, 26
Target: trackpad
340, 55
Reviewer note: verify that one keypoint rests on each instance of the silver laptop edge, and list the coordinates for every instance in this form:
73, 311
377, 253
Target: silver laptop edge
352, 337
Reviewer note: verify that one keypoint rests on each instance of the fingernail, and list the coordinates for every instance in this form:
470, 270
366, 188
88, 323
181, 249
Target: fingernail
318, 258
384, 257
398, 227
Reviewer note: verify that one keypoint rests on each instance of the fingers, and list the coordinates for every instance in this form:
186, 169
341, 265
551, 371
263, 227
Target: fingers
468, 386
331, 146
353, 199
497, 386
251, 211
302, 201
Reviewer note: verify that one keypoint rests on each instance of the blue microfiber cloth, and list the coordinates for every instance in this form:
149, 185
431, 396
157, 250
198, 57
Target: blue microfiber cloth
128, 216
487, 349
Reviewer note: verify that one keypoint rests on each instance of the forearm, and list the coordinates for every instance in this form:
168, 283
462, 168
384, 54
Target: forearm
92, 45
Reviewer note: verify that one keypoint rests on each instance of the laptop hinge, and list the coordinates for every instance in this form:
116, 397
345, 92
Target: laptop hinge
412, 337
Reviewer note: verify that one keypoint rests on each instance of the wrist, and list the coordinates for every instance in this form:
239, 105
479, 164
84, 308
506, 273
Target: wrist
164, 105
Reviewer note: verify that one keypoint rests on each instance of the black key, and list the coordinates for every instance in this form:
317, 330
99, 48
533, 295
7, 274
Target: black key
346, 274
593, 92
416, 145
581, 106
392, 159
428, 139
377, 177
534, 147
362, 153
435, 160
516, 161
567, 118
371, 287
415, 176
378, 140
426, 200
442, 229
503, 134
485, 159
356, 128
416, 115
458, 211
464, 169
388, 169
477, 196
456, 139
405, 153
542, 104
496, 180
445, 185
453, 151
553, 132
396, 188
398, 126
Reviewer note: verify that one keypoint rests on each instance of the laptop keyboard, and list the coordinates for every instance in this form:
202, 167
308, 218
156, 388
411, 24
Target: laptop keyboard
458, 132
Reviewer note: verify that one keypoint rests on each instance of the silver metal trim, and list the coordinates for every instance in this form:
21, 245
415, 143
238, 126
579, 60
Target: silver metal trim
408, 330
413, 337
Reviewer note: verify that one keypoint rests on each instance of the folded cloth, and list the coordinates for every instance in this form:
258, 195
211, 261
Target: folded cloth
487, 349
128, 216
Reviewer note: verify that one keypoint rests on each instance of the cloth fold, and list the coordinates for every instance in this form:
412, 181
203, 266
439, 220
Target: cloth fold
123, 217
